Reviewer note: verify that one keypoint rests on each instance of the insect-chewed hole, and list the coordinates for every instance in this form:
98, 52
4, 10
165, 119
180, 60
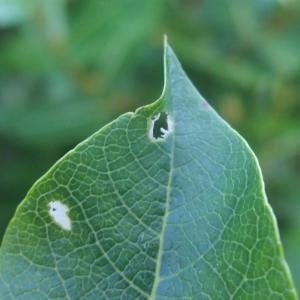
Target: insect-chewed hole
160, 126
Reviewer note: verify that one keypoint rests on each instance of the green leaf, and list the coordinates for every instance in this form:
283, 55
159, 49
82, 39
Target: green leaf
167, 202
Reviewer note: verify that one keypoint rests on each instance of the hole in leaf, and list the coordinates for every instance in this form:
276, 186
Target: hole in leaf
160, 126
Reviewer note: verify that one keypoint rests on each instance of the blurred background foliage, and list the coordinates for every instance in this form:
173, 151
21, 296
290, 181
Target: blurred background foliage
67, 67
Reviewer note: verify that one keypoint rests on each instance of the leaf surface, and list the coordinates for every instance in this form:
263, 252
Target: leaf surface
167, 202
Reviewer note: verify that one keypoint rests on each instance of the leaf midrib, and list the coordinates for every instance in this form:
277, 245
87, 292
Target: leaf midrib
164, 222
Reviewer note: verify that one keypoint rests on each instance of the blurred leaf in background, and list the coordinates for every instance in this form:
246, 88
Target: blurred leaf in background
67, 67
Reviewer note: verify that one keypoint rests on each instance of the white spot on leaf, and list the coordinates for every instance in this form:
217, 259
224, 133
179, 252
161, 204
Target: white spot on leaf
59, 213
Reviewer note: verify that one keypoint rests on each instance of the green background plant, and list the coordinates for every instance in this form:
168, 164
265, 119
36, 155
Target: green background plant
67, 67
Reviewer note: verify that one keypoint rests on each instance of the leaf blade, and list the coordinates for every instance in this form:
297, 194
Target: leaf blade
181, 215
219, 278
